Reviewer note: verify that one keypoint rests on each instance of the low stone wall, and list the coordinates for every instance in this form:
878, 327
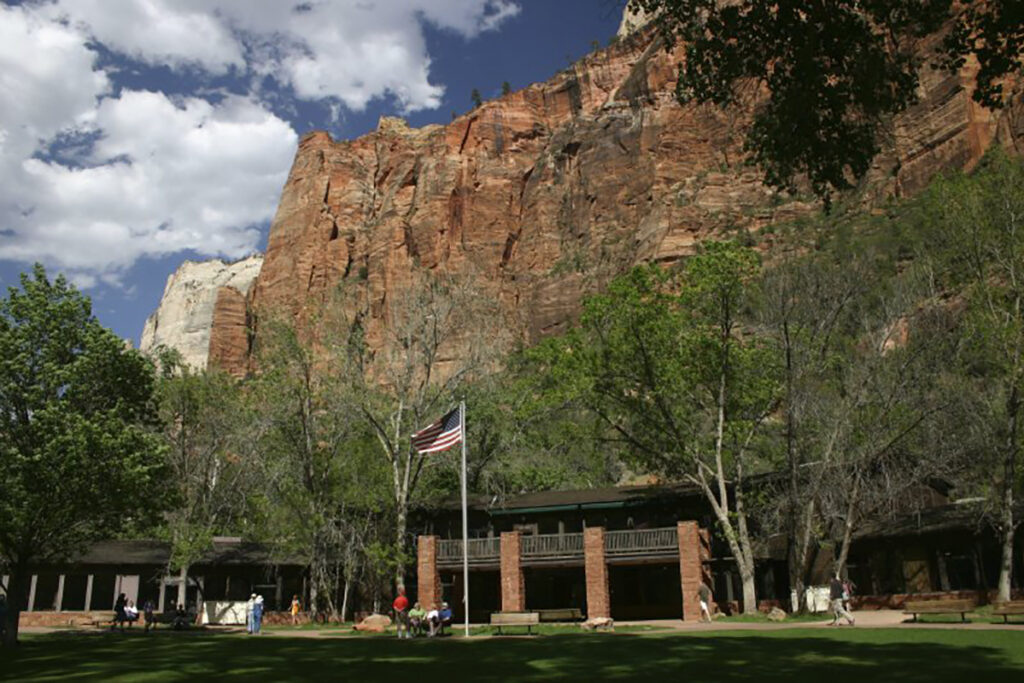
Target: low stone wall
57, 619
898, 600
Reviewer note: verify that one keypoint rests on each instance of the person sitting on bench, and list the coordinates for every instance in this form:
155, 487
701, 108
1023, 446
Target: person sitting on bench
180, 618
417, 620
438, 619
131, 613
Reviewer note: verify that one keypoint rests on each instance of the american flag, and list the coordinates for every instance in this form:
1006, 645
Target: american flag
440, 435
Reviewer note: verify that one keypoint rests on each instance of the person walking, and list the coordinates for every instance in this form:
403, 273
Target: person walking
704, 596
401, 608
148, 608
296, 607
257, 615
250, 607
835, 595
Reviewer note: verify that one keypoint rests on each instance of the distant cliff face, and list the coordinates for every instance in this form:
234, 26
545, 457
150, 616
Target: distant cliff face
185, 317
547, 193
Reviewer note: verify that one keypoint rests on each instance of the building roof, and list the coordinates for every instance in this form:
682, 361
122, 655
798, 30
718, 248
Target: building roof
149, 552
966, 516
578, 499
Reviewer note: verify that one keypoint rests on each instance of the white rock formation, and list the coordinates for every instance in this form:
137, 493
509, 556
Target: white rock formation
632, 19
185, 315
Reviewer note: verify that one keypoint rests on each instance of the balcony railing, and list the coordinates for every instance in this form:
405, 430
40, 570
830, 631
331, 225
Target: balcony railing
641, 542
550, 546
481, 550
632, 542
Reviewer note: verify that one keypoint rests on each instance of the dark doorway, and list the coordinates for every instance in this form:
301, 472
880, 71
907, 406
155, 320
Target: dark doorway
645, 591
555, 588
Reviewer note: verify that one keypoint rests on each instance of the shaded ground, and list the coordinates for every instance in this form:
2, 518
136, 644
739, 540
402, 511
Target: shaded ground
907, 655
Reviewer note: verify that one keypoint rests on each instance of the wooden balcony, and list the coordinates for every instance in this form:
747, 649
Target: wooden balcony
641, 543
552, 547
632, 544
482, 551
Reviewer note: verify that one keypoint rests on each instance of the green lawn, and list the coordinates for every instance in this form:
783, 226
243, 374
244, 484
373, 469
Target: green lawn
861, 655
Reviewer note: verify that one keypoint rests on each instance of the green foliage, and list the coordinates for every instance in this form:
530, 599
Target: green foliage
77, 456
836, 72
202, 424
651, 355
475, 98
506, 88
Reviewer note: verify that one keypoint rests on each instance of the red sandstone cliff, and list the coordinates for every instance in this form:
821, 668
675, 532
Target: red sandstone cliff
548, 192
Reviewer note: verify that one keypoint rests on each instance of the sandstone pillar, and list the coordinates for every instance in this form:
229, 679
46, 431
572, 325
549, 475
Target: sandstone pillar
690, 568
599, 602
428, 579
513, 585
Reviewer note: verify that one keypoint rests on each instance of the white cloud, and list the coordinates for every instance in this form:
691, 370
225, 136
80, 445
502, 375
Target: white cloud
162, 179
93, 178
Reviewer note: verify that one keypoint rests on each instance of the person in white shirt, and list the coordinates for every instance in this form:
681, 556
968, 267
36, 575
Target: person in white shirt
131, 612
250, 606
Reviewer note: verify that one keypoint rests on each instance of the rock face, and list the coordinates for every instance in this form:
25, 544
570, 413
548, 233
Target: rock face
191, 308
545, 194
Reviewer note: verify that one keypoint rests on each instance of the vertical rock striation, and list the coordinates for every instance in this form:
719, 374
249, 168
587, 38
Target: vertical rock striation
545, 194
186, 318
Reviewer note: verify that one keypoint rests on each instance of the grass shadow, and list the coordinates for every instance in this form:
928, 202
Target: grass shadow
906, 655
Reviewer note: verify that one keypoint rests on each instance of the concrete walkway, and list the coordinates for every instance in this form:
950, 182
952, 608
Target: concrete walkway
864, 619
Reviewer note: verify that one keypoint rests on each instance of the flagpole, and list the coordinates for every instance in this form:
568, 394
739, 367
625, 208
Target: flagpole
465, 522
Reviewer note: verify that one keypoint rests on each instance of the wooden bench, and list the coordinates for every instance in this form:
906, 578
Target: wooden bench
961, 607
563, 614
527, 619
1008, 609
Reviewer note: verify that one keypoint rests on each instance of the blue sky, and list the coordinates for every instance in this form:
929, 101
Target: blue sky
135, 134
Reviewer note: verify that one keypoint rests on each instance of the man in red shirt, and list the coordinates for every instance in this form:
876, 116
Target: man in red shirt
401, 607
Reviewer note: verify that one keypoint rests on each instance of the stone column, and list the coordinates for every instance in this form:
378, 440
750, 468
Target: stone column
599, 602
59, 604
428, 579
513, 585
690, 568
32, 593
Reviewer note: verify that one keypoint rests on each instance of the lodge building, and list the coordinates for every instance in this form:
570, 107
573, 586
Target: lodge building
626, 552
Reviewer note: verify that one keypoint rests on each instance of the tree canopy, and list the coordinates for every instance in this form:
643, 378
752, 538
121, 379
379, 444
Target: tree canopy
78, 456
835, 71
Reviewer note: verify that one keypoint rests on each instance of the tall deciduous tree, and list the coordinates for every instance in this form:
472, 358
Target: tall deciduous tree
976, 228
663, 360
78, 457
323, 493
200, 414
441, 333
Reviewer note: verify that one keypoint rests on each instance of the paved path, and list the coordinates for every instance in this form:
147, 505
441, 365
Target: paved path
864, 619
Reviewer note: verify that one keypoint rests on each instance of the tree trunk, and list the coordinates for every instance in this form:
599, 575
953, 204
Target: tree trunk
400, 524
16, 589
1006, 516
747, 576
799, 549
848, 525
183, 587
344, 599
1006, 561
